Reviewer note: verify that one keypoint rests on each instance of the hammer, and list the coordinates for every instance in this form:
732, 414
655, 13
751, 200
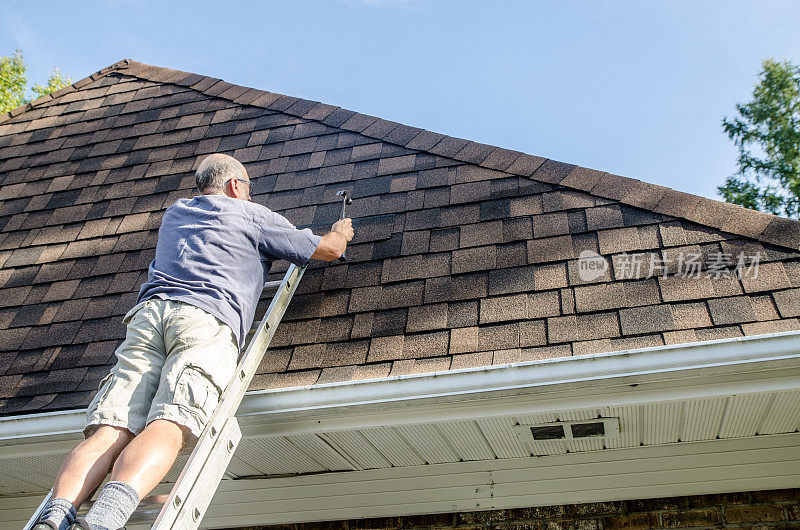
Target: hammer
345, 201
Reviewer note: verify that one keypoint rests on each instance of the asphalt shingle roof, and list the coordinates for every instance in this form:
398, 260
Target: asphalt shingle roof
465, 254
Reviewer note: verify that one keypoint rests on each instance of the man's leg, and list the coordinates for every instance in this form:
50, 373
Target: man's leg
150, 456
89, 463
138, 469
82, 471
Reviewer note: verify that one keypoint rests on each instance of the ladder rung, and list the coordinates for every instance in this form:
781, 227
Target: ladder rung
273, 285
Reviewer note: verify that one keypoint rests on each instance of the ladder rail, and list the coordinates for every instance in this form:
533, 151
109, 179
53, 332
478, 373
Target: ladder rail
180, 505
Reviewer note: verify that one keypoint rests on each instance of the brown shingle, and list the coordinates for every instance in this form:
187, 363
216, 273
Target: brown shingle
460, 314
685, 287
498, 336
412, 267
543, 304
597, 325
385, 348
511, 280
788, 302
562, 329
731, 310
550, 249
500, 308
690, 315
426, 344
427, 317
550, 276
646, 319
474, 259
531, 354
618, 240
767, 277
463, 340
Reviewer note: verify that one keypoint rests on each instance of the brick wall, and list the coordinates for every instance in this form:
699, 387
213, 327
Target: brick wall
756, 509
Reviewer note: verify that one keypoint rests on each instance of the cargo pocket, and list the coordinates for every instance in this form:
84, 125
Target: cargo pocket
196, 393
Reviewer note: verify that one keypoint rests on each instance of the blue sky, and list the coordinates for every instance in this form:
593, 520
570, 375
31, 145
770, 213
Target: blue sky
637, 88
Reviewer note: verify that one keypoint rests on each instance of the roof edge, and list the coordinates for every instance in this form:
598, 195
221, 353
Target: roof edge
670, 366
77, 85
724, 216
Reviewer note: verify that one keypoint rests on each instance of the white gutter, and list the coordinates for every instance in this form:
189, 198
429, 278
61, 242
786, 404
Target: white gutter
759, 363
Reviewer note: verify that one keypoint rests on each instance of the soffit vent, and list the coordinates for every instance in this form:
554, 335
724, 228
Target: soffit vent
569, 430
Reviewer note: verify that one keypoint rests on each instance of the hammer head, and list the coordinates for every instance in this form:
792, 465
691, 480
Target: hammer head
345, 196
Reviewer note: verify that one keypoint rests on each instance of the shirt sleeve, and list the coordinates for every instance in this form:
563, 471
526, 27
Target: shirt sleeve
280, 239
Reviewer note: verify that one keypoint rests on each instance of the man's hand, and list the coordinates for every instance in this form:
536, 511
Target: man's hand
344, 227
334, 243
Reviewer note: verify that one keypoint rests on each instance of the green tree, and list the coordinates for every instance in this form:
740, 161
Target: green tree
14, 82
767, 134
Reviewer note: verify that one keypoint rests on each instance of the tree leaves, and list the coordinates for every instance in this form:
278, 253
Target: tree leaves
14, 80
767, 134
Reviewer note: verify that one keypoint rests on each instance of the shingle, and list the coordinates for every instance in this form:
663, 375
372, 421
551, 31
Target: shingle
552, 172
772, 326
498, 337
582, 178
511, 280
389, 322
474, 152
531, 354
684, 287
447, 146
731, 310
646, 319
479, 234
618, 240
427, 317
550, 276
788, 302
512, 254
418, 266
550, 224
600, 217
767, 277
644, 195
426, 344
464, 340
550, 249
501, 308
461, 314
474, 259
690, 315
597, 325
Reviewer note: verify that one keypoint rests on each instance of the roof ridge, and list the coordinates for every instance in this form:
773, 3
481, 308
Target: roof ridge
712, 213
77, 85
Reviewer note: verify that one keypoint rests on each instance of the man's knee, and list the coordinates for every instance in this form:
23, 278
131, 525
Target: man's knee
110, 435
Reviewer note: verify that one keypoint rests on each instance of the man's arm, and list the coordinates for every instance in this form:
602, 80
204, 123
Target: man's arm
333, 244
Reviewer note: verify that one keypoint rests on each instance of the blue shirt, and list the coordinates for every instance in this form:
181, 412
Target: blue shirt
214, 252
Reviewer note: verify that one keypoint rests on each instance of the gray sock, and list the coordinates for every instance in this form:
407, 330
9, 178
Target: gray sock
60, 512
113, 506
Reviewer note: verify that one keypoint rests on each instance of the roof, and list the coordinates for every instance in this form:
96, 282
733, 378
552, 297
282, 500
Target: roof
465, 254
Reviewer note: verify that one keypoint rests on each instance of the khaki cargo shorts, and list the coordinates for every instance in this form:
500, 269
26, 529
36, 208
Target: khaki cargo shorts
174, 364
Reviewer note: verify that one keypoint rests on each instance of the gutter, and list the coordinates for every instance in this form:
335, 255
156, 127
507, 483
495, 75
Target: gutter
761, 363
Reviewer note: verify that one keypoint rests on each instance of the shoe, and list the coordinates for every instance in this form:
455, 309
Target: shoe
44, 525
81, 524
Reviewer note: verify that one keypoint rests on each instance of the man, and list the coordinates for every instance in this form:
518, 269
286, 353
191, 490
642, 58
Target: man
182, 343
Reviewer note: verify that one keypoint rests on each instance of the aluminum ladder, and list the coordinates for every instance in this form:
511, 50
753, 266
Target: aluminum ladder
185, 506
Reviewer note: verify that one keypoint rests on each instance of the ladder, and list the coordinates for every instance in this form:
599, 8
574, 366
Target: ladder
185, 506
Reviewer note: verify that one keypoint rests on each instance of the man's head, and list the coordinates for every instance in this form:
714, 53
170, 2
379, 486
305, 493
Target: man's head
220, 174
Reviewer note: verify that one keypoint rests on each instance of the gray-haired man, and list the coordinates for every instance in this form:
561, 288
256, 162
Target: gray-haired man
182, 342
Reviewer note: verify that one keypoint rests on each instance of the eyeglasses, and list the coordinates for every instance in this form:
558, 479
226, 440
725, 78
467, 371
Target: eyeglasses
240, 180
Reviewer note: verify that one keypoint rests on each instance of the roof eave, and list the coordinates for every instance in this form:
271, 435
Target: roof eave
762, 363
